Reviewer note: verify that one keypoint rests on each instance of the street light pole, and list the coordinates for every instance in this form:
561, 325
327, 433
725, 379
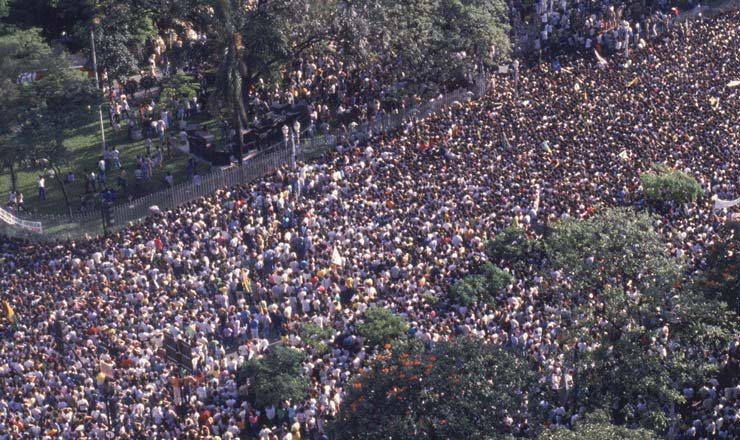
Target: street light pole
97, 85
286, 133
296, 141
292, 153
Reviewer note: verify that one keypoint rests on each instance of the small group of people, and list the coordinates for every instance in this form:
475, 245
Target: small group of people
16, 201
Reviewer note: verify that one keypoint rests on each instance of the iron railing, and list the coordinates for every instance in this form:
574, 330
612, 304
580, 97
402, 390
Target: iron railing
92, 223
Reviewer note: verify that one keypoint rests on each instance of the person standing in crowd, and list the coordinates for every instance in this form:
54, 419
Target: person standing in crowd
41, 185
101, 170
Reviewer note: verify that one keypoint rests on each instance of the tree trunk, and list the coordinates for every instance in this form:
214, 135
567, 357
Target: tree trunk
13, 176
240, 114
239, 137
60, 182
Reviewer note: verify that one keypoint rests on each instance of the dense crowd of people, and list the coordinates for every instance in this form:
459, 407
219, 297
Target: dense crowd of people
387, 222
562, 26
333, 91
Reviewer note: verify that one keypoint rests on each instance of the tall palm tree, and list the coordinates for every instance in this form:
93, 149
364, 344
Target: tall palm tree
228, 17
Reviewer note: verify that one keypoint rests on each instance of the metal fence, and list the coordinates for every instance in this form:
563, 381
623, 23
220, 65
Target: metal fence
309, 147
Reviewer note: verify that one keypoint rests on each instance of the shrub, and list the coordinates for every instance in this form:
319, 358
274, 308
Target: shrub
430, 298
482, 287
668, 185
381, 326
510, 245
275, 377
176, 87
315, 337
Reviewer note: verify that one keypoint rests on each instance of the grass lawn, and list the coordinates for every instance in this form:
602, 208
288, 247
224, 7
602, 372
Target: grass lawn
84, 149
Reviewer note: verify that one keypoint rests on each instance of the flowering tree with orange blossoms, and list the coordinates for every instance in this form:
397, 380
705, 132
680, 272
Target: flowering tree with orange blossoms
463, 389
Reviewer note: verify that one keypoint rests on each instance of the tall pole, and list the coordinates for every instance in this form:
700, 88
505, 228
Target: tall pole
97, 85
293, 154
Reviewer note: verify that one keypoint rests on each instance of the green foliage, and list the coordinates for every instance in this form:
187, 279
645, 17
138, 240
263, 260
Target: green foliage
36, 116
628, 368
472, 28
406, 30
511, 247
183, 84
381, 326
274, 378
176, 87
229, 19
497, 279
430, 298
654, 335
470, 289
316, 337
114, 56
436, 41
266, 48
51, 16
121, 33
55, 104
24, 51
721, 280
482, 288
668, 185
463, 389
596, 426
617, 247
702, 327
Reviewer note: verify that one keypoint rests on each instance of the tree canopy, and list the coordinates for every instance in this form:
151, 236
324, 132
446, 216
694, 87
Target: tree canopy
462, 389
482, 287
274, 378
24, 51
381, 326
618, 248
721, 279
649, 331
437, 41
41, 98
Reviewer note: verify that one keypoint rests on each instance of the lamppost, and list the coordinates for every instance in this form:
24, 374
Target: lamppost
292, 149
286, 132
96, 21
297, 145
